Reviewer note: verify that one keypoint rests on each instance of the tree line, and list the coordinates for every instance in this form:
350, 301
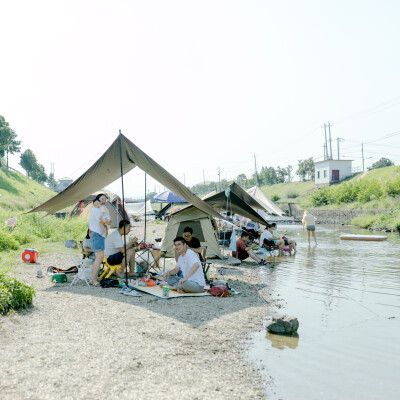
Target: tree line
266, 177
28, 161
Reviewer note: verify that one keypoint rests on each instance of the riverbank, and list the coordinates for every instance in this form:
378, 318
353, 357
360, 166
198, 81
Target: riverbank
94, 343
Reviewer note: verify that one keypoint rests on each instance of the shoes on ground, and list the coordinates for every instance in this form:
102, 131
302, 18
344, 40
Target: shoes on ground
133, 293
262, 262
39, 274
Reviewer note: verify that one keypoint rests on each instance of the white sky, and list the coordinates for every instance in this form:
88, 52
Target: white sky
199, 85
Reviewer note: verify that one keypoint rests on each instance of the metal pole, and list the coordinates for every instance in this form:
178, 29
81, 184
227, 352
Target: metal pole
326, 144
362, 154
123, 204
145, 213
330, 140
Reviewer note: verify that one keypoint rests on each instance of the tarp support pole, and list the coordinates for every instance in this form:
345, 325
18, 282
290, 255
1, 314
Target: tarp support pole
123, 204
145, 210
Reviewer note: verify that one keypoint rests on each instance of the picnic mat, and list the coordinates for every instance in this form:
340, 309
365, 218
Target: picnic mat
158, 292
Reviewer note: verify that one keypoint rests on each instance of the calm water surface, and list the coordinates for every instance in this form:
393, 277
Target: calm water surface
346, 295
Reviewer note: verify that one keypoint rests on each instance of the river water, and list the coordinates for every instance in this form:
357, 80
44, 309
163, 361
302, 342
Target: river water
346, 296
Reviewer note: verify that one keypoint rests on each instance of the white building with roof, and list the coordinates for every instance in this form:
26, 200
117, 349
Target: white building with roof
332, 171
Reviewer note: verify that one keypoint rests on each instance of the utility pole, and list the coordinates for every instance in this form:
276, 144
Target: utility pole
362, 154
204, 178
338, 141
325, 145
219, 178
184, 179
255, 168
330, 139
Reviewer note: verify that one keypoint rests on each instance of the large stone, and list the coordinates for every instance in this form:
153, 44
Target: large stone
283, 324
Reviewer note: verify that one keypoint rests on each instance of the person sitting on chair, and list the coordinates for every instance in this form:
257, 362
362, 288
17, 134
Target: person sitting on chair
193, 243
192, 278
267, 238
86, 247
115, 250
244, 251
287, 242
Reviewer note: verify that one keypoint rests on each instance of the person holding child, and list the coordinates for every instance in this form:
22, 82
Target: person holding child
97, 236
244, 250
268, 238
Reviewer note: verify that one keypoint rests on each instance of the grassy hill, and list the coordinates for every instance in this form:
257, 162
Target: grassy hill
20, 193
299, 192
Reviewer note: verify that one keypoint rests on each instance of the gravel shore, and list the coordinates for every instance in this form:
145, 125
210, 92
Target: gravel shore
85, 342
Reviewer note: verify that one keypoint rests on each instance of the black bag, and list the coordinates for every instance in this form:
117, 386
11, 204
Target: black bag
106, 282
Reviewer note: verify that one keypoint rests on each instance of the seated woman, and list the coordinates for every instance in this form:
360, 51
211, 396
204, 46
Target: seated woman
86, 247
267, 238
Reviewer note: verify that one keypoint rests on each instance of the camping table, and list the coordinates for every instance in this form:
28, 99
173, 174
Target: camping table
143, 254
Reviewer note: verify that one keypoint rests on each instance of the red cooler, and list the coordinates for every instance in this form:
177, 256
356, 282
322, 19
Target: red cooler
30, 255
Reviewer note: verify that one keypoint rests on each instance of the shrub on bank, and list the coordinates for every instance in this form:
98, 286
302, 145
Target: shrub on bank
390, 220
14, 294
362, 191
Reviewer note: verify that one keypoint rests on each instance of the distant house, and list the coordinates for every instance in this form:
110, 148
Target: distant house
332, 171
63, 183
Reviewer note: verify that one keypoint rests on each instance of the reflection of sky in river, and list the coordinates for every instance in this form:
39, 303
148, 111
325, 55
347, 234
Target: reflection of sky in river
344, 294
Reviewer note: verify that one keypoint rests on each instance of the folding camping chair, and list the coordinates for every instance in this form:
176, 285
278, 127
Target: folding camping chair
84, 266
151, 258
109, 269
205, 265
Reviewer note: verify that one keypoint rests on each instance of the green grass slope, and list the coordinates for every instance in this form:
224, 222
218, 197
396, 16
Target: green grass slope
20, 193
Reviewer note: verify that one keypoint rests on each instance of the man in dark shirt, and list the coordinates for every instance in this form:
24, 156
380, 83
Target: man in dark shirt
193, 242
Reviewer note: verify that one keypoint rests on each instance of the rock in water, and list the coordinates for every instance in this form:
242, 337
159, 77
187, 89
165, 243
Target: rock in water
283, 324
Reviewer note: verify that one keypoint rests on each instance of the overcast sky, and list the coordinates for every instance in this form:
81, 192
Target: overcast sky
201, 85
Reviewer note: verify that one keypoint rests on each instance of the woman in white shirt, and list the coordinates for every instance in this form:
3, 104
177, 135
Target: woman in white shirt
309, 222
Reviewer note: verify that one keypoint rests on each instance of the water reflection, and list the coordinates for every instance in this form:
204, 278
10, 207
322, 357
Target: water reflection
344, 294
282, 342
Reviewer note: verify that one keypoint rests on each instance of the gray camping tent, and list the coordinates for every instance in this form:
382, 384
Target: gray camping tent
200, 222
121, 157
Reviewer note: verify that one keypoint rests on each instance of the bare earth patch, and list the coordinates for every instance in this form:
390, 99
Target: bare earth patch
85, 342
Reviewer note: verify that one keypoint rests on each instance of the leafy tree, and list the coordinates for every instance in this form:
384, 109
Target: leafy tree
288, 173
268, 175
39, 174
8, 139
280, 174
28, 161
51, 181
306, 169
383, 162
242, 180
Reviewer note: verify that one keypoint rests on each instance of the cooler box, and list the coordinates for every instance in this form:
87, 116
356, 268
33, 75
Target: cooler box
30, 255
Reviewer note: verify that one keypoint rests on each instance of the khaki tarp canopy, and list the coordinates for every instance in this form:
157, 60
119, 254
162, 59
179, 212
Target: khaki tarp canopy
107, 169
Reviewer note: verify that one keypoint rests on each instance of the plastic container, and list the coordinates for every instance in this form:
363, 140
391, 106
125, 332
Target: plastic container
30, 255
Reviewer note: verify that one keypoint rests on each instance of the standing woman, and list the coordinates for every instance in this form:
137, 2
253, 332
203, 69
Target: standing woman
309, 222
97, 238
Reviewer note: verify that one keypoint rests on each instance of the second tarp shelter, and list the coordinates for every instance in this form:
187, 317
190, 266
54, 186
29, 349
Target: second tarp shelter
238, 201
200, 222
139, 209
268, 205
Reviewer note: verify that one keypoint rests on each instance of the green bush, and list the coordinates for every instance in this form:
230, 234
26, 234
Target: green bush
275, 197
321, 197
292, 195
14, 294
7, 241
392, 188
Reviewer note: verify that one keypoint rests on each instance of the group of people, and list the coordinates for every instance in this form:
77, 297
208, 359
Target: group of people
188, 275
98, 243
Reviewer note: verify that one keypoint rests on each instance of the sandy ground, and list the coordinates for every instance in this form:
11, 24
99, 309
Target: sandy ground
85, 342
